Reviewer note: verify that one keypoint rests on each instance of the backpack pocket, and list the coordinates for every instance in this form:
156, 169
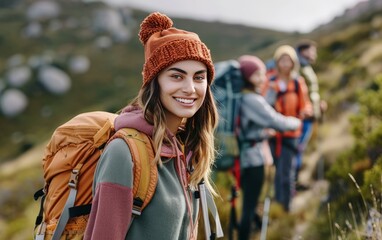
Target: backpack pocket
228, 147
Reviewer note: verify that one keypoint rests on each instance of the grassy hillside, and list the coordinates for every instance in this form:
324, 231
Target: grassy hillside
349, 58
114, 74
350, 71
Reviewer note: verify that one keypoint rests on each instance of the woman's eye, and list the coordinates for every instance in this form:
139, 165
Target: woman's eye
177, 76
200, 78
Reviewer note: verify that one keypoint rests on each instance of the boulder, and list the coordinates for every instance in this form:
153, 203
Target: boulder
54, 80
13, 102
18, 76
43, 10
79, 64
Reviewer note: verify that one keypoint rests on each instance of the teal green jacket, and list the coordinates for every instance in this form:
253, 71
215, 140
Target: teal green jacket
172, 212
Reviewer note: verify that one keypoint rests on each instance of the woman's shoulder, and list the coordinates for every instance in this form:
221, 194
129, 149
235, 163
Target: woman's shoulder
117, 148
252, 98
115, 162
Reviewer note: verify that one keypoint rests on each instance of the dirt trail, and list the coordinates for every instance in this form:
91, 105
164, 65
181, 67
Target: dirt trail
28, 159
333, 138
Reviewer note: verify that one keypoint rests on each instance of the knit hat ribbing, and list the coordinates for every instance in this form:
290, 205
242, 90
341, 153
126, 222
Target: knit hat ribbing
165, 45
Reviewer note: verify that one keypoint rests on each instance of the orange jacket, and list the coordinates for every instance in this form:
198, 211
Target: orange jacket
293, 101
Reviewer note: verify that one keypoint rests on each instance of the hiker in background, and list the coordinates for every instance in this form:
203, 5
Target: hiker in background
286, 91
176, 108
307, 55
257, 123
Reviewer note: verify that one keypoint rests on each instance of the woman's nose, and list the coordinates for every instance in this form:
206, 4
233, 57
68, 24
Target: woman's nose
188, 85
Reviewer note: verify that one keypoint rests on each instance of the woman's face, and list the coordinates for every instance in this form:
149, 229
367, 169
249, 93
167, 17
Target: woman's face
285, 64
183, 87
257, 79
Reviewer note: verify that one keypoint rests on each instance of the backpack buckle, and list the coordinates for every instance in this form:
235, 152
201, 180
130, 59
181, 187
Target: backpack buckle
137, 206
41, 231
73, 181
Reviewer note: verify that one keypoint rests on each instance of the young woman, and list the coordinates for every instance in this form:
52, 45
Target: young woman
176, 109
258, 120
288, 93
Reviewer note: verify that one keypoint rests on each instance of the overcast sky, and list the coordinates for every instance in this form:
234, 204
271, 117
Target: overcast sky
285, 15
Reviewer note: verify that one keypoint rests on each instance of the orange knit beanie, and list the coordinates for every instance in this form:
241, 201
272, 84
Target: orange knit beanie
165, 45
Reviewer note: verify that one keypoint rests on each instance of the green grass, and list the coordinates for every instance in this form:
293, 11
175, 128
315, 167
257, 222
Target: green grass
115, 77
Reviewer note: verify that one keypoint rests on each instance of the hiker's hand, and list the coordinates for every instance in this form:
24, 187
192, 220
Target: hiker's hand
323, 106
306, 114
270, 132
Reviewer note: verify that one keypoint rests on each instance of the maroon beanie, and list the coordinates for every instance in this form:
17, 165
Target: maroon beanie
249, 65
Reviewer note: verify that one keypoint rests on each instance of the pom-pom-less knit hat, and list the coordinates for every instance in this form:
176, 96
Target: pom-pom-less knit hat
165, 45
249, 65
288, 50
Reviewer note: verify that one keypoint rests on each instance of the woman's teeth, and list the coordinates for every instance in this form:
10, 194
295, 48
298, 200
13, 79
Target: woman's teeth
183, 100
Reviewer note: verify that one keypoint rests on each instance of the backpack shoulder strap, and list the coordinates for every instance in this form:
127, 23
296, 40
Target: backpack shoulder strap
296, 83
145, 170
272, 78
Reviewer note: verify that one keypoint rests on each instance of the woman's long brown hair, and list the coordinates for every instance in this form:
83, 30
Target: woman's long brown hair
198, 134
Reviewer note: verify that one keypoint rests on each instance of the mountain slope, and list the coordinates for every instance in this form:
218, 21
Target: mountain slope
349, 57
114, 75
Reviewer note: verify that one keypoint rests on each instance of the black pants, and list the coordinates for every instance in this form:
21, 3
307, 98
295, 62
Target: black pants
252, 180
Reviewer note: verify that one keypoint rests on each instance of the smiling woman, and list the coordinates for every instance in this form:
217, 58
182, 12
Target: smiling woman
183, 88
176, 110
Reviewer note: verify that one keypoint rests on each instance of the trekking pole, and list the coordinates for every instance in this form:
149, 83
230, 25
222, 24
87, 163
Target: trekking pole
208, 206
233, 223
264, 226
267, 204
203, 200
232, 220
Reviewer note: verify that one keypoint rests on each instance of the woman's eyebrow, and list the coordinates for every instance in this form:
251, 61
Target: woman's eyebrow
177, 69
184, 72
201, 71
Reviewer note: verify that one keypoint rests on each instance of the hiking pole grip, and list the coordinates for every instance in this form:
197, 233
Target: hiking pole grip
203, 201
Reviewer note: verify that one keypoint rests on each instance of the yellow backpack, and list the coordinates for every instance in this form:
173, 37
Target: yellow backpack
69, 162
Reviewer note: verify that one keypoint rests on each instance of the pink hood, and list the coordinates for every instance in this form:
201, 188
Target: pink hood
132, 117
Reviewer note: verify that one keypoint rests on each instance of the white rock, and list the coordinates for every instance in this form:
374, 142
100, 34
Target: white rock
107, 20
13, 102
32, 30
42, 10
79, 64
54, 80
18, 76
103, 42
